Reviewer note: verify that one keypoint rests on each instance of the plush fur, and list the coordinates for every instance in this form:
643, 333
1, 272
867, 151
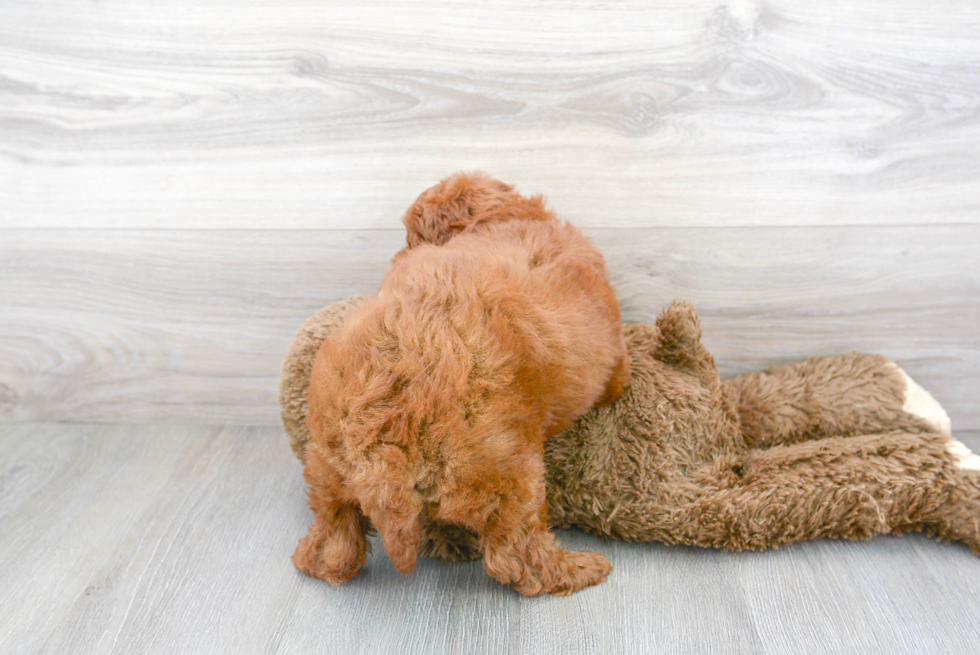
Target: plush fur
846, 446
436, 396
825, 448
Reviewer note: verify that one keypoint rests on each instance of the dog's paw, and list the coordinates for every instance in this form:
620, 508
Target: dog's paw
576, 569
582, 568
333, 560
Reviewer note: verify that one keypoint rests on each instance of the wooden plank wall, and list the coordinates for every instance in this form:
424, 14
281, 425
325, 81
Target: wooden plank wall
181, 185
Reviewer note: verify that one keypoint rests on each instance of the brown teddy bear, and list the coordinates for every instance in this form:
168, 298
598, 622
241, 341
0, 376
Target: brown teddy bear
846, 446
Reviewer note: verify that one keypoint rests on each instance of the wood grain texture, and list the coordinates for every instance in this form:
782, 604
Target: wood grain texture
124, 539
192, 326
307, 115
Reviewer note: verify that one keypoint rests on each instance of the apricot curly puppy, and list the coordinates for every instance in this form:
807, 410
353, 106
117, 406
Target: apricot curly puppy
491, 332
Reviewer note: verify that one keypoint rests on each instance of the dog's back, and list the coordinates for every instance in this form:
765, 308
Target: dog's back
520, 310
440, 391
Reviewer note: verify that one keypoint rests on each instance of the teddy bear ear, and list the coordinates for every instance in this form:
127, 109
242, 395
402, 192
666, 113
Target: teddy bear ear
447, 208
679, 343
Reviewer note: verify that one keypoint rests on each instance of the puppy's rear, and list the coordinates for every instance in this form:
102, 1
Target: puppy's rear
438, 394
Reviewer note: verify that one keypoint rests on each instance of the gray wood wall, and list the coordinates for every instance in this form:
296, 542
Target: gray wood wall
182, 185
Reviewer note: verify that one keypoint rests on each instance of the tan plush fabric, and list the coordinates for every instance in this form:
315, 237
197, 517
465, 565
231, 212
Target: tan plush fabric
824, 448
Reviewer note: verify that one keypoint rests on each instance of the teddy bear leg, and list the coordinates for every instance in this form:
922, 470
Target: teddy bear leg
335, 547
847, 395
959, 520
853, 487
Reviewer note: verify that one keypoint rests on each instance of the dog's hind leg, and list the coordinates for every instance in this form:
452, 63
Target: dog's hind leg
336, 546
528, 556
505, 505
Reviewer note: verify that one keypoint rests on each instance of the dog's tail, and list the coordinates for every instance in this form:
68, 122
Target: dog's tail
394, 506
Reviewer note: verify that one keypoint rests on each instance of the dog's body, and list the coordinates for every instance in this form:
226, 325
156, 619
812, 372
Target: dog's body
438, 394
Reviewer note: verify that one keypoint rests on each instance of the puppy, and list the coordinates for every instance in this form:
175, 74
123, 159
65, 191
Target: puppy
492, 331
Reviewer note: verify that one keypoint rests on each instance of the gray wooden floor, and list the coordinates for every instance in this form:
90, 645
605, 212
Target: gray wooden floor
150, 539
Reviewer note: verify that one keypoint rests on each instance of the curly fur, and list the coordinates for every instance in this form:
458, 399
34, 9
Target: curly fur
845, 446
492, 332
462, 203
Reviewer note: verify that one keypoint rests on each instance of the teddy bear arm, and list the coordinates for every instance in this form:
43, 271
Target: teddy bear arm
447, 541
846, 395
